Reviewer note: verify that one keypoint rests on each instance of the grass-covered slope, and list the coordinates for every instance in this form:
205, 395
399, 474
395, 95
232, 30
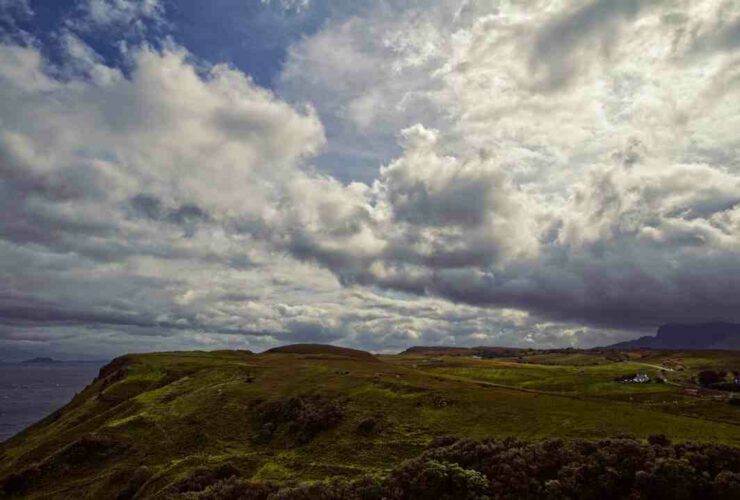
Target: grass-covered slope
153, 425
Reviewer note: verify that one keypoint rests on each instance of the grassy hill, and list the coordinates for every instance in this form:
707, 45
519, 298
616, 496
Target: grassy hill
152, 424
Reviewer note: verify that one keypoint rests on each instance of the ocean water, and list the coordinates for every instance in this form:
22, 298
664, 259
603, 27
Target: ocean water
29, 392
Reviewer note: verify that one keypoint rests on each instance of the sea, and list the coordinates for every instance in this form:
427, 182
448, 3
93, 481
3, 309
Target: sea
30, 392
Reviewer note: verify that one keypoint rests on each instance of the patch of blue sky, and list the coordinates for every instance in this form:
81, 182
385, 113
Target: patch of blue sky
251, 35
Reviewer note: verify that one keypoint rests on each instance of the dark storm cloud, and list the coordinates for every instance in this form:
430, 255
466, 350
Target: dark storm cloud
46, 316
50, 316
729, 37
724, 36
188, 215
558, 45
625, 296
26, 218
310, 332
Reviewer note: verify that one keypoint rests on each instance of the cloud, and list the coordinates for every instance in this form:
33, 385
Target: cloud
590, 190
163, 206
534, 175
289, 5
9, 9
560, 44
13, 13
100, 14
114, 175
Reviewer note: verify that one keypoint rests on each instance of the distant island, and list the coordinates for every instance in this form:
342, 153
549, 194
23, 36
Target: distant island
40, 361
703, 336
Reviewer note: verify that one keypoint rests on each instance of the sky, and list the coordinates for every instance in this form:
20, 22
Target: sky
240, 174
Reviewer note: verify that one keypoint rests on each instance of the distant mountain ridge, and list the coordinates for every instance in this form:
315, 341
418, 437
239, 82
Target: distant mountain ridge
704, 336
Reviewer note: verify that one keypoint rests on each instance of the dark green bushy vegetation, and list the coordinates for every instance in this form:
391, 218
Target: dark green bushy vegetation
513, 469
305, 417
203, 477
83, 452
708, 378
717, 380
138, 479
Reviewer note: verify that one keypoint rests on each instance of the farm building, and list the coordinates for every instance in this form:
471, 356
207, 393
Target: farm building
635, 378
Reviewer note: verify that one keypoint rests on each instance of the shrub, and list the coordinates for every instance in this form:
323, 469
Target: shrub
368, 426
709, 377
86, 450
726, 485
612, 468
512, 469
138, 479
367, 488
232, 488
305, 416
203, 477
659, 440
18, 482
724, 386
671, 478
82, 452
421, 479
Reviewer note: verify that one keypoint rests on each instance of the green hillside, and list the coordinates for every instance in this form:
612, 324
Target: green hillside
151, 424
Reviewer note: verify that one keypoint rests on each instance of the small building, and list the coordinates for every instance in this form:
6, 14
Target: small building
636, 378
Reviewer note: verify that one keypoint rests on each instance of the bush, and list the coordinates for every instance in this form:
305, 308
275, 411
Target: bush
368, 426
724, 386
18, 482
305, 416
203, 477
232, 488
421, 479
513, 469
613, 468
671, 478
659, 440
366, 488
87, 450
726, 485
710, 377
138, 479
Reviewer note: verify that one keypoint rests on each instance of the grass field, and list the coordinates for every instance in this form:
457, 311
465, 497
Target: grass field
574, 380
177, 412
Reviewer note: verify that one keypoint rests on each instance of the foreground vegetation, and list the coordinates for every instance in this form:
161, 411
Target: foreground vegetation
318, 422
553, 469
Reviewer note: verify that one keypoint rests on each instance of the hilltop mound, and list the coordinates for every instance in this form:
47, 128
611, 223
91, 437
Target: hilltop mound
323, 349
